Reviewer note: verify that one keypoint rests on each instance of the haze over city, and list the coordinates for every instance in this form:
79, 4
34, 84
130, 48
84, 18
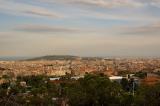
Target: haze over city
79, 27
79, 52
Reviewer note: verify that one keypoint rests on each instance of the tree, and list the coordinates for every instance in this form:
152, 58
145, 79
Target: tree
124, 84
148, 95
94, 90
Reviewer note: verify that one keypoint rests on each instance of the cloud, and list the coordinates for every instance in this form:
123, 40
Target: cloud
114, 3
40, 13
119, 16
100, 3
155, 3
87, 27
150, 29
109, 3
43, 28
17, 8
125, 10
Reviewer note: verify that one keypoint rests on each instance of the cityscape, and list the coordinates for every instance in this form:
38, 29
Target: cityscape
31, 79
79, 66
79, 52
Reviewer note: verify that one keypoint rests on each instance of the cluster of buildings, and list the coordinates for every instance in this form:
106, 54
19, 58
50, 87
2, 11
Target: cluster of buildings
77, 67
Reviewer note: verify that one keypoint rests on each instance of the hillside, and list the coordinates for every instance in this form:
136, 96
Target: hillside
54, 57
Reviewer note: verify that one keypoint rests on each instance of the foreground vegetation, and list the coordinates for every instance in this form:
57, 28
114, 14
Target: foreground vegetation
92, 90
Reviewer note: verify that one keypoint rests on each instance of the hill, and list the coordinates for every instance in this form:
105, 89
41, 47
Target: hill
54, 57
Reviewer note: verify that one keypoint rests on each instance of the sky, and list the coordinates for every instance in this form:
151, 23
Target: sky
80, 27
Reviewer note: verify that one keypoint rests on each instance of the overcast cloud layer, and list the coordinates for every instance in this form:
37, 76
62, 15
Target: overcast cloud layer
80, 27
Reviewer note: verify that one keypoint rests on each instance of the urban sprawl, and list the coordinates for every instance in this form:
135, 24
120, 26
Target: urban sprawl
80, 82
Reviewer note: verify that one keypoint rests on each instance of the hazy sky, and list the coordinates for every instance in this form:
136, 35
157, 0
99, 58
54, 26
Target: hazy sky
80, 27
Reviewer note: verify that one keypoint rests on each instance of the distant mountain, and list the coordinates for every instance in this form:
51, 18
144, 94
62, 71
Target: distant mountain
54, 57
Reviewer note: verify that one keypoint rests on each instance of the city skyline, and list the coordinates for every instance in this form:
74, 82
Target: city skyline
80, 27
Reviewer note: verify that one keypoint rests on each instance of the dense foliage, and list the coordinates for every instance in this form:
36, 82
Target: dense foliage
92, 90
141, 74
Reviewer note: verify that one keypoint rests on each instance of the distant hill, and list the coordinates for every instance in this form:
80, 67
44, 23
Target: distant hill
91, 58
54, 57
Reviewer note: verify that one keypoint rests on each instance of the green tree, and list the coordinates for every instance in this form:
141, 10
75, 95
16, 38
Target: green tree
148, 95
94, 90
